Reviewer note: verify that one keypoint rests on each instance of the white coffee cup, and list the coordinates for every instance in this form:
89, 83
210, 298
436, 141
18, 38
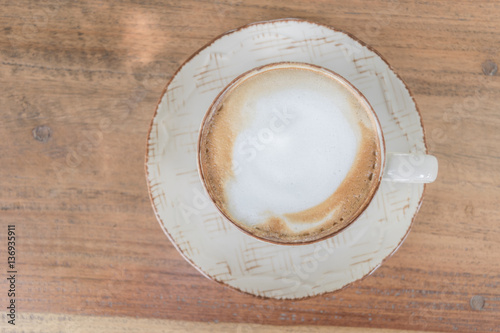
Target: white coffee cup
276, 187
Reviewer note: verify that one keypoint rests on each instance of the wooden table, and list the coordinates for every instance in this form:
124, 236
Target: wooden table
90, 255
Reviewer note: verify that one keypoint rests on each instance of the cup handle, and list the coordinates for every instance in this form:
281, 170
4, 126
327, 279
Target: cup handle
410, 168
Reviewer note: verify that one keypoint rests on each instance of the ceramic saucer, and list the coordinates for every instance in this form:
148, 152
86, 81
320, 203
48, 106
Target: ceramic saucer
217, 248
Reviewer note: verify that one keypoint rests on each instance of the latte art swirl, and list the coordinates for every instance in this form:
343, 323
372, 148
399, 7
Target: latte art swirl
290, 153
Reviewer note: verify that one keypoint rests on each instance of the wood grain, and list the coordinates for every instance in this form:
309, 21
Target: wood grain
43, 322
88, 241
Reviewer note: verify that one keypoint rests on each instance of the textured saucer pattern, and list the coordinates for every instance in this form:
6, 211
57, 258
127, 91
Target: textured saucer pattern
217, 248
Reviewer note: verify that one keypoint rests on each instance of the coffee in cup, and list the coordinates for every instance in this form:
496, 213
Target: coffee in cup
291, 153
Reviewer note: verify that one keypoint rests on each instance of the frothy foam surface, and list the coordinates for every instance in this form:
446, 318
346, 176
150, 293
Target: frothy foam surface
290, 154
298, 142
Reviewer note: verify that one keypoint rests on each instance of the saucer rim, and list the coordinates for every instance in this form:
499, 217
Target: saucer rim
205, 46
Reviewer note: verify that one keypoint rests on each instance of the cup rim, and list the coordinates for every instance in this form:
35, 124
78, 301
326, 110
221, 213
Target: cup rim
341, 80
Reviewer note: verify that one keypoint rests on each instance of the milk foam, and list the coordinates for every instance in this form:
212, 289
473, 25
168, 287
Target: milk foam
290, 153
303, 146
